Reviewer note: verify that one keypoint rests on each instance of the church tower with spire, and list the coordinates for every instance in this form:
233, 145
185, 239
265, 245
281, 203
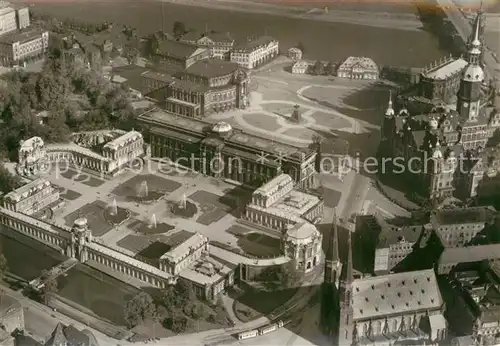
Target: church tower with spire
469, 93
388, 125
331, 285
347, 335
333, 266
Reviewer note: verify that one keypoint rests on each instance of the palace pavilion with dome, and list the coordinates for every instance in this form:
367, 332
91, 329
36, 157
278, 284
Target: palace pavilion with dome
221, 151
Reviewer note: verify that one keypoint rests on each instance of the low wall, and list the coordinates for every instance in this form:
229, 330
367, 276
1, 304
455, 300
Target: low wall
381, 187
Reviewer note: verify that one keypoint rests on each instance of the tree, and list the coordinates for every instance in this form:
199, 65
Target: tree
139, 308
49, 288
494, 140
330, 69
290, 276
300, 46
8, 181
318, 68
4, 268
179, 29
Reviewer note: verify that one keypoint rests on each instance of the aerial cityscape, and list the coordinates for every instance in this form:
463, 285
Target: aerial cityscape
249, 172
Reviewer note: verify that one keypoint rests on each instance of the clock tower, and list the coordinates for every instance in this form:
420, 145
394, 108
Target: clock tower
469, 93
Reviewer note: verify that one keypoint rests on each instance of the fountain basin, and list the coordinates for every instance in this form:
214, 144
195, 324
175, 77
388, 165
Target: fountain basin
151, 197
117, 218
178, 209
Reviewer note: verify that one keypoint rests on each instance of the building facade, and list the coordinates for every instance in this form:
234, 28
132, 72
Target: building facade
220, 151
358, 68
447, 144
300, 67
254, 53
219, 43
395, 307
31, 156
32, 197
181, 54
459, 226
278, 205
208, 87
17, 48
13, 17
302, 243
118, 148
440, 81
295, 54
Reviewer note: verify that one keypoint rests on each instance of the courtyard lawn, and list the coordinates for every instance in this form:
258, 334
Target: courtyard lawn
98, 292
261, 121
254, 303
137, 243
95, 213
260, 245
27, 260
131, 188
215, 207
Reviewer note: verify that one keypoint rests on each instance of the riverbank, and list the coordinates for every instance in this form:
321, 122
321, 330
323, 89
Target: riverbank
323, 40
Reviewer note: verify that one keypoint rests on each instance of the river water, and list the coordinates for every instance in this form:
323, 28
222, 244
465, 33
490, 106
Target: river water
322, 40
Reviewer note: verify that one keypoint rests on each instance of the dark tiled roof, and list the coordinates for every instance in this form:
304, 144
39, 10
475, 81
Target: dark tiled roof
252, 45
220, 37
470, 254
26, 340
24, 35
191, 36
212, 68
70, 336
189, 86
177, 50
463, 215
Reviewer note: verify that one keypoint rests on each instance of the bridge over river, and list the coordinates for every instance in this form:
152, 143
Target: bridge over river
464, 29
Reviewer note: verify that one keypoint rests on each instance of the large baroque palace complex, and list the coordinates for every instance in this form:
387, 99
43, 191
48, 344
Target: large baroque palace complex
447, 143
219, 150
190, 260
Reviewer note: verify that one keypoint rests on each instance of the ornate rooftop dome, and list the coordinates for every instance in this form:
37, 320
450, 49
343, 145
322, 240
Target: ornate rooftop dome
221, 127
433, 123
473, 73
80, 222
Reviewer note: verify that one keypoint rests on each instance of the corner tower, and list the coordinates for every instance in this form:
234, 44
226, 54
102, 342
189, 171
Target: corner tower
469, 93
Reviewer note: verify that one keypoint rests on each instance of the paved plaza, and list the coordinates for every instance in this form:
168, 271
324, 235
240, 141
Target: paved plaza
324, 106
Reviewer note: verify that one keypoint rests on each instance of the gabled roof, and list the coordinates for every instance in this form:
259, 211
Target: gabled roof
178, 50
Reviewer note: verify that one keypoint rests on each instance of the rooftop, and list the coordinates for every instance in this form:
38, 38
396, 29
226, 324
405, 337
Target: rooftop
292, 206
395, 294
451, 67
304, 232
364, 62
212, 68
391, 235
236, 137
123, 140
24, 35
462, 215
177, 253
206, 271
269, 188
252, 45
470, 254
162, 77
31, 143
8, 304
28, 190
178, 50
